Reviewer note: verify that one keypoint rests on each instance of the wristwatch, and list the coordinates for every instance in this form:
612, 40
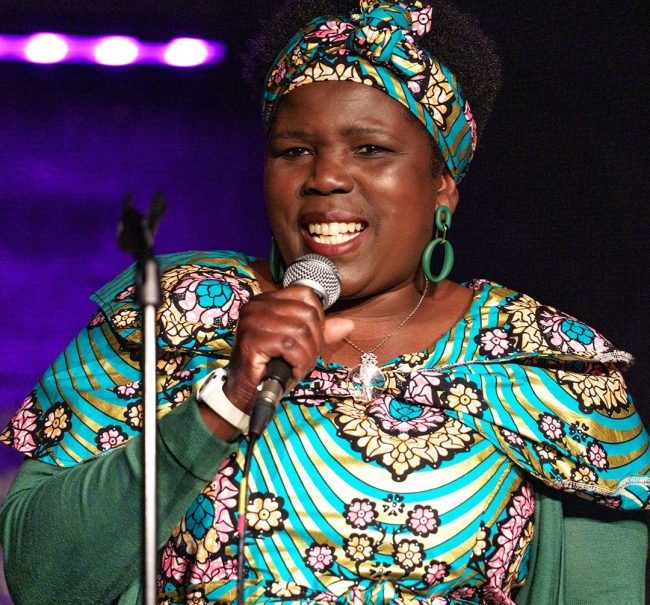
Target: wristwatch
211, 394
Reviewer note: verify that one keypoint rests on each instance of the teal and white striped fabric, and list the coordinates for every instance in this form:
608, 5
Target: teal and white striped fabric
421, 496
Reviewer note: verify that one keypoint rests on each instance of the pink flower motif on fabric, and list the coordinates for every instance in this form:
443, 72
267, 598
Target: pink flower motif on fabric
570, 335
436, 571
97, 319
319, 557
110, 437
464, 592
509, 534
415, 83
477, 284
210, 298
422, 387
551, 426
397, 416
597, 455
173, 565
495, 342
184, 374
213, 569
360, 513
24, 426
128, 390
421, 21
423, 520
331, 31
126, 293
469, 116
321, 385
225, 501
512, 438
611, 502
279, 72
355, 597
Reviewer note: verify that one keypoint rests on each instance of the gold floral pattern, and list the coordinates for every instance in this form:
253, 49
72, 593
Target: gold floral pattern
126, 318
464, 396
265, 514
359, 547
400, 453
372, 531
521, 311
409, 554
597, 389
283, 589
57, 422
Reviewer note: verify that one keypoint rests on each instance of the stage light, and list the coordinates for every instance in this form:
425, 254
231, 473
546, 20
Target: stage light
46, 48
116, 51
113, 51
186, 52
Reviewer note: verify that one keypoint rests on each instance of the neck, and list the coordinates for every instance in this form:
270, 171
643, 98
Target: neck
384, 306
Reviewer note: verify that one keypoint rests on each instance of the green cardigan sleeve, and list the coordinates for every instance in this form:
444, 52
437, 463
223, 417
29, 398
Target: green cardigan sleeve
585, 555
73, 535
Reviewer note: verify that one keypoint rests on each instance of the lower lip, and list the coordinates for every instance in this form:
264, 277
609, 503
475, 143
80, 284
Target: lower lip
331, 250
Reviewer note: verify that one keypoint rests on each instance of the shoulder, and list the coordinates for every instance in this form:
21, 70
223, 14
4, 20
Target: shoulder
202, 293
173, 265
514, 323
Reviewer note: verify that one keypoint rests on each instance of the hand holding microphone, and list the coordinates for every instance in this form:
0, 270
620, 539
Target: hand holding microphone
280, 335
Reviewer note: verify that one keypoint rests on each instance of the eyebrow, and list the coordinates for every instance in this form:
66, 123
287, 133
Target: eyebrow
348, 131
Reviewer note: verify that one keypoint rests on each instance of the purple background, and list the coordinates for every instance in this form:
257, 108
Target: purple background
552, 205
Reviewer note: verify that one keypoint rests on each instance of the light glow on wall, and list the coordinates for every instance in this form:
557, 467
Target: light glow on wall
113, 51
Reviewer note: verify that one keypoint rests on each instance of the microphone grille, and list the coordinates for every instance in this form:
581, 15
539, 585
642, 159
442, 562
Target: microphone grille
319, 273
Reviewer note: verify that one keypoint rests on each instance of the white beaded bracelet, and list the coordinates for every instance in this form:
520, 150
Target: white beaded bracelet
211, 394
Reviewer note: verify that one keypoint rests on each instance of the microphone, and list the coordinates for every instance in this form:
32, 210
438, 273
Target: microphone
321, 275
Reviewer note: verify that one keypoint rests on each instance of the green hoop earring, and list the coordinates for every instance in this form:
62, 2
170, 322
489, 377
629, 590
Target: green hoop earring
275, 263
443, 223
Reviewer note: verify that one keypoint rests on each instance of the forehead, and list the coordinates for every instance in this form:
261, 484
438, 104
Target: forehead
343, 105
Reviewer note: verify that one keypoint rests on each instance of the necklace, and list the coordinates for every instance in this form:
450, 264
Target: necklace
366, 380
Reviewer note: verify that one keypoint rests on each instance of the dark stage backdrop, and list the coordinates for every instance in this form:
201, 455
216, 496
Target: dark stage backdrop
554, 204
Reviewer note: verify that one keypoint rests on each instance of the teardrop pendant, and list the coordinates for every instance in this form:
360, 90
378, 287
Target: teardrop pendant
366, 380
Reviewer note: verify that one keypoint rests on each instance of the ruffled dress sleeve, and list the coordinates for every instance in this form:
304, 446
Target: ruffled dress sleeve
547, 390
89, 401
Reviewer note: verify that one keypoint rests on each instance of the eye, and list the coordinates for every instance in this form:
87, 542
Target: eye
293, 152
371, 149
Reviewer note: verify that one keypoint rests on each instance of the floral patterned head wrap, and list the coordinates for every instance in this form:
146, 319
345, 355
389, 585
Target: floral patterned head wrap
378, 46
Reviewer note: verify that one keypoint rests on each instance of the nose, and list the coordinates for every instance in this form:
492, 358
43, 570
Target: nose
328, 175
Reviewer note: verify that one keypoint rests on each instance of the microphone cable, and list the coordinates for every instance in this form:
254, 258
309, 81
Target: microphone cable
321, 275
241, 520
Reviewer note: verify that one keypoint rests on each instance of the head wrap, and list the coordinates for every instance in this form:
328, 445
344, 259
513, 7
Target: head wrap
377, 46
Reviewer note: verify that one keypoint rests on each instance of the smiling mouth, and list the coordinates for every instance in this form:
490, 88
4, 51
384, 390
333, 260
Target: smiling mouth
334, 233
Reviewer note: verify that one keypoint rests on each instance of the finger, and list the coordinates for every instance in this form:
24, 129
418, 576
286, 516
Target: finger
336, 329
276, 318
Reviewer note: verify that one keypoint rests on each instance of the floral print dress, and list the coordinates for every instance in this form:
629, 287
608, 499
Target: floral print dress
425, 495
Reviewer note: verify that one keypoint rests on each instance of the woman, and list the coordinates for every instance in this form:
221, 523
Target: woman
407, 462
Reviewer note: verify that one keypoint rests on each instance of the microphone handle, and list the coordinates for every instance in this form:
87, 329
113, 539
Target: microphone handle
278, 373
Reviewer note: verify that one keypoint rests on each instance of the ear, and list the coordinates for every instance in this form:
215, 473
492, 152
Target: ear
447, 194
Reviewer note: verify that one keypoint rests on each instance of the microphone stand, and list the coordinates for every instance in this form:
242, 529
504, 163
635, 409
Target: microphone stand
135, 235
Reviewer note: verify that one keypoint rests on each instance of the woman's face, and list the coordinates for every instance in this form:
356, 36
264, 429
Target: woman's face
349, 175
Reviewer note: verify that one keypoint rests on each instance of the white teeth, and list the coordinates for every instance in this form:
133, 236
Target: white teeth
334, 229
331, 240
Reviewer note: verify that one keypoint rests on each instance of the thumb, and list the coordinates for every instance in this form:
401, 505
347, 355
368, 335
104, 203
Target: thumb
337, 328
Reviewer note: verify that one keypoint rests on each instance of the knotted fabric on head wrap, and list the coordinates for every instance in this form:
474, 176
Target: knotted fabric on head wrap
378, 46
